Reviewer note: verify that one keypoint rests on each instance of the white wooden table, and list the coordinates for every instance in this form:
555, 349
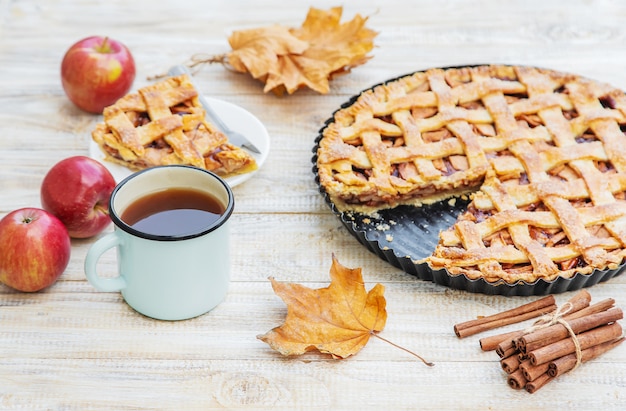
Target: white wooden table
71, 347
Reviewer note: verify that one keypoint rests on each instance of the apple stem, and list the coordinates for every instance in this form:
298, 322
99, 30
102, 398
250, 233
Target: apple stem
27, 220
105, 46
101, 208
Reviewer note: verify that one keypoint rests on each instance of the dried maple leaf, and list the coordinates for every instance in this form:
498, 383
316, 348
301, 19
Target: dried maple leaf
286, 59
257, 51
341, 46
336, 320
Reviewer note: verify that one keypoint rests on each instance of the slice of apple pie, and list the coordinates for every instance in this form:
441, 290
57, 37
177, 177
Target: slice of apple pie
164, 123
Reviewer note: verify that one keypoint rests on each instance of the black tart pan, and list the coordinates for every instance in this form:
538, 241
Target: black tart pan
404, 235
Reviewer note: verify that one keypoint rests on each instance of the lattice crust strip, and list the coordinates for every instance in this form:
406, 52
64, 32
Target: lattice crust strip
547, 149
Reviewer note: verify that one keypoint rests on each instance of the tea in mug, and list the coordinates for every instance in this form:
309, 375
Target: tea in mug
173, 212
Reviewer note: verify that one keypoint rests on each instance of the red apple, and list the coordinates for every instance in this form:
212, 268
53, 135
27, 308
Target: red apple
77, 191
96, 71
34, 249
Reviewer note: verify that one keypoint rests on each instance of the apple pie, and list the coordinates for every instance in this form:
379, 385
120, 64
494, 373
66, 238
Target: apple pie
164, 123
541, 153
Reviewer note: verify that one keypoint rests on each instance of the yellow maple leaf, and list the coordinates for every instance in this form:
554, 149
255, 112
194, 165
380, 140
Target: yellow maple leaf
336, 320
287, 59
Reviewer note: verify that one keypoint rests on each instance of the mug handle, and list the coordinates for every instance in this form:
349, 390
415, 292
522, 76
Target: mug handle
91, 261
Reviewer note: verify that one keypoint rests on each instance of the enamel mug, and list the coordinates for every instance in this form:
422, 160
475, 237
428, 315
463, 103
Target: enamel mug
167, 277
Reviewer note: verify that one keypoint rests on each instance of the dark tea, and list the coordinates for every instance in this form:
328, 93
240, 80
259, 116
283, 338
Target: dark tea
173, 212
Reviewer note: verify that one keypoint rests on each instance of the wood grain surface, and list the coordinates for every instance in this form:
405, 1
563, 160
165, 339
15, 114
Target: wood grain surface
71, 347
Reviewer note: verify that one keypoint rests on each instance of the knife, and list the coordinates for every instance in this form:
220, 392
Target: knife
234, 137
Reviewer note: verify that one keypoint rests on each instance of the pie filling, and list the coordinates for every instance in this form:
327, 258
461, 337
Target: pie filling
543, 153
164, 123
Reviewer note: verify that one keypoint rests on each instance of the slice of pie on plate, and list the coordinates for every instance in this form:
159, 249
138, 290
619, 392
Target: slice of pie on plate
164, 123
541, 153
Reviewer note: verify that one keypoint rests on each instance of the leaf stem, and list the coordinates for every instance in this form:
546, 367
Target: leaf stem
430, 364
197, 60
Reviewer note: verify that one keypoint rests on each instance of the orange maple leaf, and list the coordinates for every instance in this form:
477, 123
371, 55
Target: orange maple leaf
336, 320
288, 59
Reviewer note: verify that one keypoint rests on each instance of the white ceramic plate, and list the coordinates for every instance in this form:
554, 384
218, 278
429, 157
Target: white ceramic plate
235, 117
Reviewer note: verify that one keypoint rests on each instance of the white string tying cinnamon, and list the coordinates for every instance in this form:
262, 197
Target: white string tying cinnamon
557, 318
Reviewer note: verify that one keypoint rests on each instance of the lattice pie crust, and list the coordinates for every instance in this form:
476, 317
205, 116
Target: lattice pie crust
543, 152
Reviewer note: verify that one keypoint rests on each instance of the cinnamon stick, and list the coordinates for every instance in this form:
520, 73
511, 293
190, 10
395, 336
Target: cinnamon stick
516, 380
556, 332
533, 386
579, 301
512, 316
567, 363
575, 305
566, 346
510, 364
592, 309
521, 355
553, 345
506, 349
491, 343
532, 372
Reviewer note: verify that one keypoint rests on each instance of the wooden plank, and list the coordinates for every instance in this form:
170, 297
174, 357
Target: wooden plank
72, 347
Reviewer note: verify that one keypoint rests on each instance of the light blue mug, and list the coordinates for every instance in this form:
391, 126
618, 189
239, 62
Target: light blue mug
167, 277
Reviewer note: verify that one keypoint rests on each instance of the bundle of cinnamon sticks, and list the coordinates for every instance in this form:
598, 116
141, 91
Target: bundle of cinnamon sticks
561, 340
